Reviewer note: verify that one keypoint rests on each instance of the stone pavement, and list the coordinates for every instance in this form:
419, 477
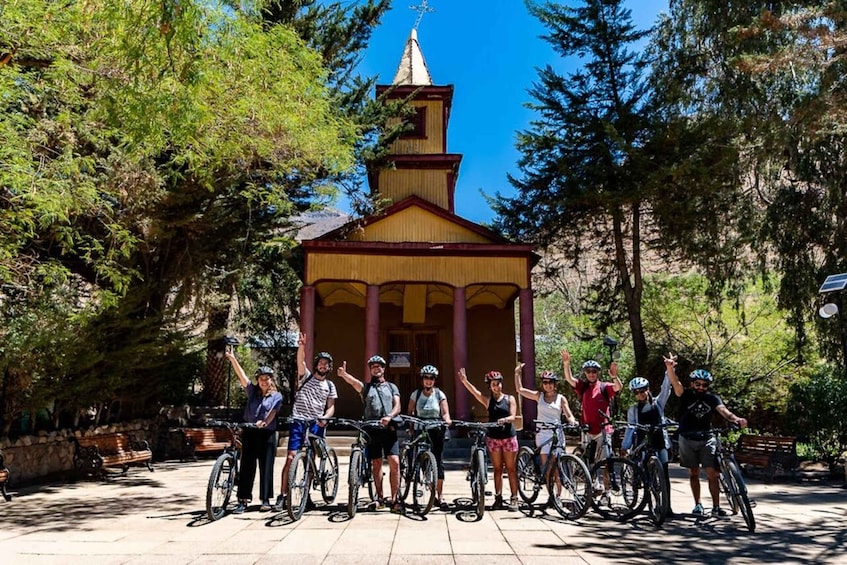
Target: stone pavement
160, 517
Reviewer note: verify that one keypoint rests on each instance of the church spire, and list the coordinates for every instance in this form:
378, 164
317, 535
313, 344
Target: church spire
412, 69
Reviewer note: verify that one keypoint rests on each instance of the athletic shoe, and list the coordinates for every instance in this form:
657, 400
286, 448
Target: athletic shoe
718, 512
513, 504
265, 507
699, 510
498, 502
605, 500
280, 503
240, 508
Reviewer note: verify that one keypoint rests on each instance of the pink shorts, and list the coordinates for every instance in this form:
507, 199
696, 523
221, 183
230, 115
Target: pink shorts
507, 445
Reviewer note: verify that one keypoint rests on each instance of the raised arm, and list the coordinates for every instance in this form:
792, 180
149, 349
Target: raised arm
617, 385
236, 366
566, 367
350, 379
523, 391
301, 358
670, 365
463, 378
664, 392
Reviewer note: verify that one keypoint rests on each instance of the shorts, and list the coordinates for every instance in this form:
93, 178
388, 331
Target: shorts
696, 453
506, 445
604, 441
544, 435
383, 443
297, 434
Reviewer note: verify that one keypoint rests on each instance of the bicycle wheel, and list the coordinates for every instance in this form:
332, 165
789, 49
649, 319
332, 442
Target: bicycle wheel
741, 498
625, 497
425, 478
407, 467
353, 481
572, 493
478, 481
298, 485
657, 489
727, 486
528, 481
329, 475
220, 486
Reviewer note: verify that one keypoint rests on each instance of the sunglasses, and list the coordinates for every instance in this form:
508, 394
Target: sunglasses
588, 371
642, 391
548, 382
700, 384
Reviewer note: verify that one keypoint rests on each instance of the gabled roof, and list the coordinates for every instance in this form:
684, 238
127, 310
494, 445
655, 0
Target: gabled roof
435, 216
412, 69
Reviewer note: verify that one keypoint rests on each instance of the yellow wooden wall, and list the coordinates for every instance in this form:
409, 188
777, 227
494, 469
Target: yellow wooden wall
434, 141
429, 184
416, 224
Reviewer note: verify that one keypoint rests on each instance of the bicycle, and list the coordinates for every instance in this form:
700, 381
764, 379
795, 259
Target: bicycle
359, 472
731, 481
305, 473
647, 458
418, 467
477, 468
224, 475
567, 477
623, 498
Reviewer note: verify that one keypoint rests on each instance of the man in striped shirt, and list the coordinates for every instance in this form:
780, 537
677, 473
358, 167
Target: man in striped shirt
314, 397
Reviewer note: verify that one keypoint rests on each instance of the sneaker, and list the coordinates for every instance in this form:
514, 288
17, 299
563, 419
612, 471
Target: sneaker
605, 500
265, 507
498, 502
718, 512
280, 503
240, 508
513, 504
699, 510
444, 506
397, 508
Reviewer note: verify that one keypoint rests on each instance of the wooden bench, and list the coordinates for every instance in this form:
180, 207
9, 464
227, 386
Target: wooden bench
771, 454
4, 478
202, 440
94, 454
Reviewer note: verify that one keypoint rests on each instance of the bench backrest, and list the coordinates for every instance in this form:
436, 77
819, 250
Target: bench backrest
767, 444
208, 435
108, 443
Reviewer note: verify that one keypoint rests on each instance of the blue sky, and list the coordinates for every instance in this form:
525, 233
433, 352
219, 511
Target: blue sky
489, 51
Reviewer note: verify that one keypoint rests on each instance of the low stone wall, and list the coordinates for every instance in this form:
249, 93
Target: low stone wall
51, 454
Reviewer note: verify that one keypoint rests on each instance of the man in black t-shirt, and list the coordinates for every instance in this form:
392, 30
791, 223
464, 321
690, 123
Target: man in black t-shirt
697, 446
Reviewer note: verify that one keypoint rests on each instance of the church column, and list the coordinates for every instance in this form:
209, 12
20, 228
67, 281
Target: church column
307, 318
529, 408
372, 323
460, 353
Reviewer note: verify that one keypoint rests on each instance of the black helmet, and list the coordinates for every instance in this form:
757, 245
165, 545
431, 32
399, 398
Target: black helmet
263, 370
323, 355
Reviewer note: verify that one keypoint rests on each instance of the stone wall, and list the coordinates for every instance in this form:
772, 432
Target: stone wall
51, 454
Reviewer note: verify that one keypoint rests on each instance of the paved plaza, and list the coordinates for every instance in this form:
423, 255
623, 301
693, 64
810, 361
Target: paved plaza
160, 518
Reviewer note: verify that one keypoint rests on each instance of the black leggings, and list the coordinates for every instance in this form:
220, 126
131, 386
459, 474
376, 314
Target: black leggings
436, 440
258, 449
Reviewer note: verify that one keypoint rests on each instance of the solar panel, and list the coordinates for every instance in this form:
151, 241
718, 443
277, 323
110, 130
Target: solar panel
834, 283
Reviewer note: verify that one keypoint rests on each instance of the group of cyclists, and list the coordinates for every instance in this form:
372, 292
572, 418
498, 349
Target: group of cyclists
314, 405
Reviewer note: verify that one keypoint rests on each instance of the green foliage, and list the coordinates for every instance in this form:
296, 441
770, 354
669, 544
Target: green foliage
816, 413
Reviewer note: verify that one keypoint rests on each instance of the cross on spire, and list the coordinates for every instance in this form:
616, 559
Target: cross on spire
421, 9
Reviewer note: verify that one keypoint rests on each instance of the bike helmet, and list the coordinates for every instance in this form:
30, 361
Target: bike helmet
493, 376
549, 376
376, 360
591, 364
701, 375
264, 371
638, 383
429, 370
323, 355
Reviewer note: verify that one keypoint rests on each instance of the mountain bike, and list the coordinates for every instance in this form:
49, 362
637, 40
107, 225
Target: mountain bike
306, 473
647, 458
731, 481
567, 477
477, 468
360, 472
224, 474
418, 468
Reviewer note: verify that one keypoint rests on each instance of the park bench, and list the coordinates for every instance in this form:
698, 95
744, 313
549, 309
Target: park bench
770, 454
4, 478
94, 454
202, 440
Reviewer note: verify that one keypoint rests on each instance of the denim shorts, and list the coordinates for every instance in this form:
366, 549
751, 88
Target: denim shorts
297, 433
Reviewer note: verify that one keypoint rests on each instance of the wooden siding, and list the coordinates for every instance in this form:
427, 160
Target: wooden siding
433, 142
430, 184
416, 224
454, 271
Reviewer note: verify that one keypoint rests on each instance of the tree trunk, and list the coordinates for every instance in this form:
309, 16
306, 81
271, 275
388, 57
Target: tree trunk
216, 376
631, 283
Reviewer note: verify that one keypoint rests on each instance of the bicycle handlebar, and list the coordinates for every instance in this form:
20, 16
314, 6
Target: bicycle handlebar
358, 424
560, 425
230, 425
476, 425
426, 424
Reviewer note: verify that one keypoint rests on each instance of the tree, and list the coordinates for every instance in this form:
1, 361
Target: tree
583, 190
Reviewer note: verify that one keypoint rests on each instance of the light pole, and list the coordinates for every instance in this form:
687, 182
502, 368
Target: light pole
835, 285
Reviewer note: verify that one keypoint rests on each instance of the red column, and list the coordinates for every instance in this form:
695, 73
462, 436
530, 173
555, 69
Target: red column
462, 407
372, 324
530, 408
307, 318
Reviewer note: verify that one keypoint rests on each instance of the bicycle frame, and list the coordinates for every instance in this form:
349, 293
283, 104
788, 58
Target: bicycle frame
314, 476
225, 472
478, 466
732, 483
359, 470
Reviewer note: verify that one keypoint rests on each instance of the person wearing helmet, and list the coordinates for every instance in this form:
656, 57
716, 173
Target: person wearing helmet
551, 407
382, 402
430, 403
502, 442
649, 410
314, 401
697, 445
258, 444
